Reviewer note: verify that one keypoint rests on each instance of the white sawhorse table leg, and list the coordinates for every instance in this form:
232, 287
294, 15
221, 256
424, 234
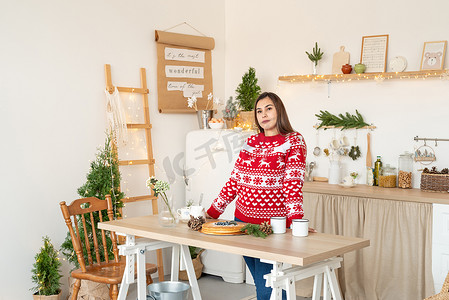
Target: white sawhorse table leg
135, 254
280, 279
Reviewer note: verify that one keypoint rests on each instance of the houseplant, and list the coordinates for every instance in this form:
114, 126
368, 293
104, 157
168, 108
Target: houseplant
315, 57
46, 273
247, 93
230, 113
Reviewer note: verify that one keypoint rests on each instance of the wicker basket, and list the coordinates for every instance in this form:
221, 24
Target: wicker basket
197, 266
435, 182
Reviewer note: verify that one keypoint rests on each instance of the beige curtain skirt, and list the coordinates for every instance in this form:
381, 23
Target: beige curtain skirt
398, 263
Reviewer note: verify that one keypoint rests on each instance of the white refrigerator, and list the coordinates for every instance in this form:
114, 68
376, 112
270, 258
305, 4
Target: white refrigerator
210, 157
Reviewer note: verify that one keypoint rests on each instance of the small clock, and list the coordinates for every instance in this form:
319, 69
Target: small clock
398, 64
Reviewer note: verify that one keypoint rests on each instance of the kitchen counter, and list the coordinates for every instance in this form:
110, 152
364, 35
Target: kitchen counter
365, 191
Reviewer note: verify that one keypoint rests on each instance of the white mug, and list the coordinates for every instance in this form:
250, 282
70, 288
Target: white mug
184, 213
197, 211
343, 141
348, 180
278, 224
334, 144
300, 227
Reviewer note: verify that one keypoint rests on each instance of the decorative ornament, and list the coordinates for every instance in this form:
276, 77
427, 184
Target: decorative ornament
196, 223
354, 153
266, 228
425, 155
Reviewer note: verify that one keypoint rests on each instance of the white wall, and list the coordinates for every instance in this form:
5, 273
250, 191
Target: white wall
272, 37
52, 55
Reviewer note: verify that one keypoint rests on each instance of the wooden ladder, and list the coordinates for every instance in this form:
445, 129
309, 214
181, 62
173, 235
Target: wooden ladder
149, 160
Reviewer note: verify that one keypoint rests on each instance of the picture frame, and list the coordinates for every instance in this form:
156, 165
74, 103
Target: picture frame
433, 54
374, 53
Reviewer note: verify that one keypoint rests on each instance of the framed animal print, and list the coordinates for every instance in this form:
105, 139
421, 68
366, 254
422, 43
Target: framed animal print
433, 54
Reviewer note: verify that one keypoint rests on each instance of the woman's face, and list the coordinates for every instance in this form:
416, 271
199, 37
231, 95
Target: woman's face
267, 116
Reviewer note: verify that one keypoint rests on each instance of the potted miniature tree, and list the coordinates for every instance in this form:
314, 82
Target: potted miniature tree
230, 113
46, 273
247, 93
315, 57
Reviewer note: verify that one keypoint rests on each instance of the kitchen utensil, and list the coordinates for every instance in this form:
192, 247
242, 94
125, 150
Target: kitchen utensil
201, 199
309, 170
317, 149
369, 162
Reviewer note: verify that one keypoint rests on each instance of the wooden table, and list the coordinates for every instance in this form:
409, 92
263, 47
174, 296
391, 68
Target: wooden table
314, 255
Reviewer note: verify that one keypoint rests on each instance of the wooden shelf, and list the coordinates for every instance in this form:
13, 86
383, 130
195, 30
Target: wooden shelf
368, 76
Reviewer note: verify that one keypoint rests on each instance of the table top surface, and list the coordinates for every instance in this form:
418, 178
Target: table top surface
285, 248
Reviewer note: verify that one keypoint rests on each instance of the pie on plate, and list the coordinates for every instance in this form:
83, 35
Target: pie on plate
222, 227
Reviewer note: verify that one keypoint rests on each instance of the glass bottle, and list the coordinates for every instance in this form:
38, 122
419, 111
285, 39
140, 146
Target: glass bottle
387, 177
377, 167
405, 168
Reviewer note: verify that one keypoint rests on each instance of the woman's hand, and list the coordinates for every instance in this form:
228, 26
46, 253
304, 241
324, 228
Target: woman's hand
312, 230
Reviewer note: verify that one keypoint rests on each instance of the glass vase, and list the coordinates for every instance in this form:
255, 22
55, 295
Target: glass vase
167, 214
314, 68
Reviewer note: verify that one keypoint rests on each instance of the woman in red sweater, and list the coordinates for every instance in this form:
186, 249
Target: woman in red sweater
267, 178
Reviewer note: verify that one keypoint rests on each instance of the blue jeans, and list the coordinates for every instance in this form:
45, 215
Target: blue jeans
258, 269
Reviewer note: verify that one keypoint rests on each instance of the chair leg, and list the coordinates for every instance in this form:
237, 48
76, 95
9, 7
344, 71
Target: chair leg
76, 288
149, 279
113, 291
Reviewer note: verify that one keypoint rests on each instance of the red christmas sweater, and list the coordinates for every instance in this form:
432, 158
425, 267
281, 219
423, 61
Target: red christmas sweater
267, 179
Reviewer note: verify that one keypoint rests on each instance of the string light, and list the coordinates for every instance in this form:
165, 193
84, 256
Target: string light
443, 74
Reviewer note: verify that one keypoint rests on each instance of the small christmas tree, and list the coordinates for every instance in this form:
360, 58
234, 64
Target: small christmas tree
230, 111
248, 90
102, 179
46, 270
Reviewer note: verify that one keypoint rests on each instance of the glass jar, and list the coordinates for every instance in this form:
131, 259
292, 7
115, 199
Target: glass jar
405, 168
387, 177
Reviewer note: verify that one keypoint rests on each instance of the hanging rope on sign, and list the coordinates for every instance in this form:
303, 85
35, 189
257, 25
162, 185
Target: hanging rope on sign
116, 117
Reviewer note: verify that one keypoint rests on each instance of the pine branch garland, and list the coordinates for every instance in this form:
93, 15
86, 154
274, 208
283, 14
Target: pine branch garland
345, 121
253, 229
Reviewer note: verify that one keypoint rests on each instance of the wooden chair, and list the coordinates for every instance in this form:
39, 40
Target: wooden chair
444, 294
98, 270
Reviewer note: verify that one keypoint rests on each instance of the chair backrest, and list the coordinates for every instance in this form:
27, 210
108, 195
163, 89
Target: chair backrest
87, 212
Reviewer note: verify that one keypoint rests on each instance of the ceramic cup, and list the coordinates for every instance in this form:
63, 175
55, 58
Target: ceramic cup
197, 211
343, 141
335, 144
184, 213
278, 224
348, 180
300, 227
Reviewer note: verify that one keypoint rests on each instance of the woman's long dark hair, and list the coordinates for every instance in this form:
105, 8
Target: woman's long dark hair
282, 123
